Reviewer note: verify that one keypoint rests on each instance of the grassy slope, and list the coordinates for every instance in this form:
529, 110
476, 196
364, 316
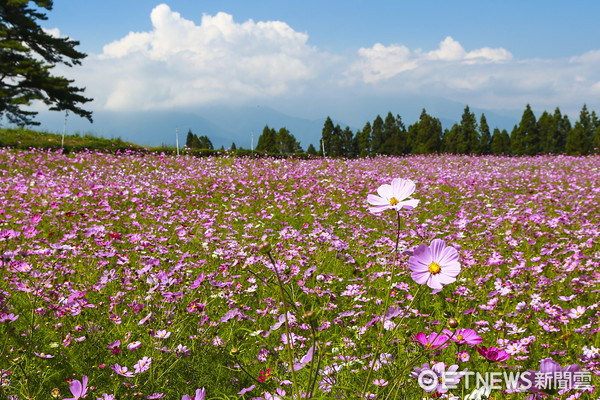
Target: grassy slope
26, 138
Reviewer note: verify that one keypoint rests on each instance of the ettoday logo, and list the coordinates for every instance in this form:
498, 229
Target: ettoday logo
442, 381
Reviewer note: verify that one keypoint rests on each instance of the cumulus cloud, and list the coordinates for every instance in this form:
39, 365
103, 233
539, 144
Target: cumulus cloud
485, 77
181, 63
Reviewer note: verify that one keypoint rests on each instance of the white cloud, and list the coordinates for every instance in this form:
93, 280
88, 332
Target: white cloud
55, 32
179, 63
485, 77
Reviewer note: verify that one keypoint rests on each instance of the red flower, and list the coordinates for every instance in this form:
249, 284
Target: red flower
264, 376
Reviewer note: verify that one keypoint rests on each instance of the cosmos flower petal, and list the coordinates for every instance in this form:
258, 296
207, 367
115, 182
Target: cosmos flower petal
375, 200
385, 191
437, 247
410, 204
402, 188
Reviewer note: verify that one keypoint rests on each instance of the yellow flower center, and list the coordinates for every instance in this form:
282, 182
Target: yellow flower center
459, 337
434, 268
394, 201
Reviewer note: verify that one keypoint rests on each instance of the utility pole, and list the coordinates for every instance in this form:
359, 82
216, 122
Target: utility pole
62, 142
252, 144
177, 139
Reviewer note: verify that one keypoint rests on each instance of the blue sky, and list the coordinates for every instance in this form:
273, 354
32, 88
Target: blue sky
316, 58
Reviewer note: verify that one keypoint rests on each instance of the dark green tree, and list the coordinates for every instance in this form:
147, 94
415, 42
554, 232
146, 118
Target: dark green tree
377, 136
233, 147
500, 143
189, 140
546, 128
286, 142
362, 141
579, 139
267, 141
450, 139
348, 148
485, 138
311, 150
205, 143
396, 142
327, 137
468, 137
525, 138
427, 134
27, 56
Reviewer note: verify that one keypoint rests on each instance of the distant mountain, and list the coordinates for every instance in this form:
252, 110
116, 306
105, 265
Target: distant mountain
244, 124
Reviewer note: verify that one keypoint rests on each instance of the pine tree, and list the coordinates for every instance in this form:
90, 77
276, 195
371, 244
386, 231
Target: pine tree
362, 141
546, 127
427, 134
484, 136
311, 150
327, 136
348, 149
579, 139
27, 55
468, 137
451, 139
529, 129
501, 142
496, 143
205, 143
377, 136
267, 141
189, 140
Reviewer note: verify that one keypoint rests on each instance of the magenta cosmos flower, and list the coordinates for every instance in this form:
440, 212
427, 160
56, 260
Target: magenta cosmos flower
394, 196
200, 394
493, 354
435, 265
433, 341
464, 336
78, 389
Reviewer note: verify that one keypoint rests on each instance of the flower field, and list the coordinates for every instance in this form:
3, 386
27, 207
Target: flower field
146, 276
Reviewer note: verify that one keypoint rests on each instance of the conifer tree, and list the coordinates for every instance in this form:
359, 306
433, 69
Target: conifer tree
362, 141
485, 137
27, 56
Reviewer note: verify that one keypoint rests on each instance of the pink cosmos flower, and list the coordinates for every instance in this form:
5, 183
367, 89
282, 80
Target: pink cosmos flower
134, 345
576, 312
394, 196
493, 354
142, 365
433, 341
123, 371
464, 336
246, 390
463, 356
200, 394
435, 265
162, 334
78, 389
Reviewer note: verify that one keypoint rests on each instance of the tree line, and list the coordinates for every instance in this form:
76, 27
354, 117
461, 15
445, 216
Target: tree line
552, 133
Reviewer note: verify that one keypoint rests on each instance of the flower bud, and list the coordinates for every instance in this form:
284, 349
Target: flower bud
452, 322
234, 351
264, 247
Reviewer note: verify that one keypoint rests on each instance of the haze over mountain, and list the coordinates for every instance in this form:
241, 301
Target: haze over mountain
226, 124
